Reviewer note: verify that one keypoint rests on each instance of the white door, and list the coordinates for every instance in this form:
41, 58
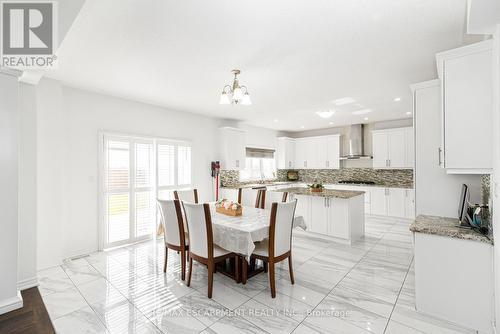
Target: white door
129, 209
397, 149
396, 203
338, 212
319, 215
378, 201
380, 150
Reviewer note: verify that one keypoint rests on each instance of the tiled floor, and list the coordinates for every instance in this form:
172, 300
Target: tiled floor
364, 288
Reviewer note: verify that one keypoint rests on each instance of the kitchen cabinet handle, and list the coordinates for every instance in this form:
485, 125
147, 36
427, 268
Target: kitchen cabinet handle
289, 164
327, 163
389, 162
439, 155
237, 163
305, 164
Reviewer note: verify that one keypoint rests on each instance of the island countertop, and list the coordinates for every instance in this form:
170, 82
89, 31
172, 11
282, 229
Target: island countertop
330, 193
447, 227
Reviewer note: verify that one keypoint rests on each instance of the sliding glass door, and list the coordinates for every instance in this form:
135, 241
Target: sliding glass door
136, 171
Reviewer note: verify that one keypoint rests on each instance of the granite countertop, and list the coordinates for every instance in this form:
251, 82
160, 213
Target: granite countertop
447, 227
343, 194
277, 183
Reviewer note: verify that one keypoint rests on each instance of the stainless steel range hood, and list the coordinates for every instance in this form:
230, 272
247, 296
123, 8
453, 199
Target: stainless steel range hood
355, 143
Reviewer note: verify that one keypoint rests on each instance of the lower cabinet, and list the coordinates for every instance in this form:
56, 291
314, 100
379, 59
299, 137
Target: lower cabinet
340, 218
393, 202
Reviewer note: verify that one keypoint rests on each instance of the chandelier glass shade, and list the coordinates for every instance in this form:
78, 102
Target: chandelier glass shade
235, 94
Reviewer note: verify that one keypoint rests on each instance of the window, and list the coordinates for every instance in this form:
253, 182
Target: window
260, 164
136, 172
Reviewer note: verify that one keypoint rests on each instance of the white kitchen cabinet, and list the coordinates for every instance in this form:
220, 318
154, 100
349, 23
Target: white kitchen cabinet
317, 152
393, 148
319, 214
286, 153
378, 201
233, 148
467, 108
409, 203
329, 152
300, 153
396, 204
303, 208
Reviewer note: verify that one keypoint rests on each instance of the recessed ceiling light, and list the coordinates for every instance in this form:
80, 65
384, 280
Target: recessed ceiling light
331, 123
275, 120
397, 99
366, 118
325, 113
344, 100
362, 112
302, 127
408, 112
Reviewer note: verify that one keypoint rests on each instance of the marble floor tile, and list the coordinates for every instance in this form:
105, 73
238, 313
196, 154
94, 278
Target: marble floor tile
173, 319
79, 322
272, 320
226, 296
355, 315
363, 301
64, 302
394, 327
303, 329
303, 291
53, 280
325, 270
205, 310
327, 324
82, 274
234, 325
99, 290
427, 324
291, 307
117, 316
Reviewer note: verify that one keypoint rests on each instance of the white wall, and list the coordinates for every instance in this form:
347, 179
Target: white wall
27, 187
68, 159
9, 132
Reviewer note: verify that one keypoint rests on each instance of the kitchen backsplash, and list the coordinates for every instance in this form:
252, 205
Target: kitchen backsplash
387, 177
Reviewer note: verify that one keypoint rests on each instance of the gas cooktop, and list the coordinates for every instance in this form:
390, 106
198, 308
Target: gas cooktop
356, 182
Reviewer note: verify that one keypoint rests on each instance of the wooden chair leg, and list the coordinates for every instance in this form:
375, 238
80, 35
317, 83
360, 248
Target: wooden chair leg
237, 269
190, 271
210, 279
166, 257
272, 282
290, 269
244, 269
264, 263
183, 265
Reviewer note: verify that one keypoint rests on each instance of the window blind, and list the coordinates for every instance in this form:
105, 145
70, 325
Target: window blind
261, 153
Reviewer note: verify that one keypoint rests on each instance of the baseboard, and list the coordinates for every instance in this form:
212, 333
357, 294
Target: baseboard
11, 304
27, 283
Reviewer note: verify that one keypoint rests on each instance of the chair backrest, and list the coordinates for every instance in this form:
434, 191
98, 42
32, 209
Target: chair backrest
270, 197
280, 228
199, 222
190, 196
249, 197
171, 218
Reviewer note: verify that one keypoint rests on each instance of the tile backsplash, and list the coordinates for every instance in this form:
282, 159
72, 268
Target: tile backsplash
385, 177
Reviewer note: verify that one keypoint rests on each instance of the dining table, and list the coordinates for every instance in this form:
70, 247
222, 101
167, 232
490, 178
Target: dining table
239, 234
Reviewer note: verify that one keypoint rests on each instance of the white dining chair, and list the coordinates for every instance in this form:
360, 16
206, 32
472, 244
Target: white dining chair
174, 236
278, 246
249, 197
270, 197
201, 245
190, 196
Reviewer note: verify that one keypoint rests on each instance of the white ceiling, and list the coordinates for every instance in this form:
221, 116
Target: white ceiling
296, 56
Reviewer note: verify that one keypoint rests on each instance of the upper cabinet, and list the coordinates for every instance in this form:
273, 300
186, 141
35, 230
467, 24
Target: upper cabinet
393, 148
233, 148
465, 73
317, 152
286, 153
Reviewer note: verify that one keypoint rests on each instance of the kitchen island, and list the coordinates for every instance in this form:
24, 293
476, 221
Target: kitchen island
336, 213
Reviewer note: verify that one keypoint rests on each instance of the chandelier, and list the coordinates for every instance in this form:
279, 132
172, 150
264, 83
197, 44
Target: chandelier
235, 94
